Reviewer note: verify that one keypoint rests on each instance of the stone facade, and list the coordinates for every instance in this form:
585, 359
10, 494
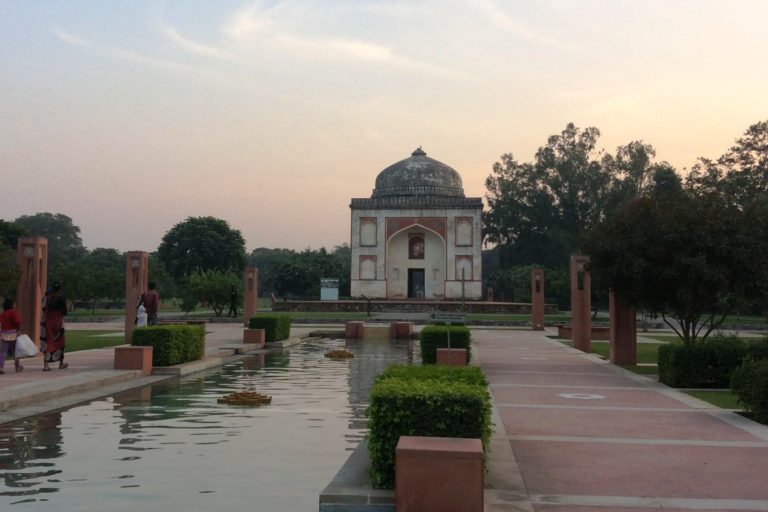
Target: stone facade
417, 235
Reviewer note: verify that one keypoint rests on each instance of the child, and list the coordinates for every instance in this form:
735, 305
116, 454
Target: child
10, 322
141, 317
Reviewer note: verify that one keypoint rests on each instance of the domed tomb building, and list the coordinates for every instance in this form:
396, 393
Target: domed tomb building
417, 236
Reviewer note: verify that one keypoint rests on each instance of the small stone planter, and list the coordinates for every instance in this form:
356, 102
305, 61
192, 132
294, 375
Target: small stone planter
254, 337
134, 358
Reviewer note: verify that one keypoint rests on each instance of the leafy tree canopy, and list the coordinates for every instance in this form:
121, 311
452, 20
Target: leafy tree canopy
64, 242
202, 243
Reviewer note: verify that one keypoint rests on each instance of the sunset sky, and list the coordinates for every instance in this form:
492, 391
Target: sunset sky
130, 116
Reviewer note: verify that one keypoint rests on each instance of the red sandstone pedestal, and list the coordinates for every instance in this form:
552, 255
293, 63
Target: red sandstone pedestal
452, 356
438, 474
401, 330
134, 358
254, 336
581, 303
354, 329
623, 332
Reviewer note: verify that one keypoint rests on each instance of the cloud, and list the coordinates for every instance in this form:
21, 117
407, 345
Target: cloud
285, 28
195, 47
68, 38
497, 16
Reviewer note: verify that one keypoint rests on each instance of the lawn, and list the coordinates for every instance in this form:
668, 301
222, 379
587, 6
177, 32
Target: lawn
647, 353
86, 340
516, 317
722, 398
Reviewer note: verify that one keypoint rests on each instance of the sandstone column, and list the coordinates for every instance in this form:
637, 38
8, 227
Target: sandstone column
136, 278
537, 299
251, 293
581, 303
32, 259
623, 322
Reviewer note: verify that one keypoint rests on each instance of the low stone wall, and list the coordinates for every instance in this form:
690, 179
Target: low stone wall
378, 306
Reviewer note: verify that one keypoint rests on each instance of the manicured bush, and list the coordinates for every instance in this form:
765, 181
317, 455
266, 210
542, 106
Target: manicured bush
757, 348
472, 375
276, 327
707, 364
171, 344
433, 337
424, 402
750, 385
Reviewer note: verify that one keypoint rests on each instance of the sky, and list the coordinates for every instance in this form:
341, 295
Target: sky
130, 116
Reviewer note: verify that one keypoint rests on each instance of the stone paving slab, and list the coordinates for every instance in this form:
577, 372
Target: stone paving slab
585, 396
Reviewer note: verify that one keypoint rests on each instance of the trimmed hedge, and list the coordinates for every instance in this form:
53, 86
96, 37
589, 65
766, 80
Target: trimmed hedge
433, 337
171, 344
750, 385
757, 349
424, 401
472, 375
707, 364
276, 327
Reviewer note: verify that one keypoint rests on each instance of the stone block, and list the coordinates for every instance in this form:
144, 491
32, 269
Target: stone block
134, 358
354, 329
438, 474
254, 336
452, 356
401, 330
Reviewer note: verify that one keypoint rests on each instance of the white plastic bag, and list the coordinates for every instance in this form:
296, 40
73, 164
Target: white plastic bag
25, 347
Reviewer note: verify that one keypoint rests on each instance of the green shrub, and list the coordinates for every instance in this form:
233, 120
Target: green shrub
472, 375
433, 337
171, 344
432, 408
276, 327
757, 348
750, 385
707, 364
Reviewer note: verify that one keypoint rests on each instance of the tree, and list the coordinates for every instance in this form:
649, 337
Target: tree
741, 174
267, 260
300, 275
691, 258
541, 209
100, 274
202, 243
64, 242
9, 270
211, 287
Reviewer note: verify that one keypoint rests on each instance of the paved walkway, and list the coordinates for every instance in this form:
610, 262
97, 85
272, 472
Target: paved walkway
586, 435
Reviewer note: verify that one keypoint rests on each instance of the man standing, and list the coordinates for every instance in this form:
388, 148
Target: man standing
232, 302
150, 300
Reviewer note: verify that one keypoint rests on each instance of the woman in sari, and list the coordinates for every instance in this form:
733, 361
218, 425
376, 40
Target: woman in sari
54, 309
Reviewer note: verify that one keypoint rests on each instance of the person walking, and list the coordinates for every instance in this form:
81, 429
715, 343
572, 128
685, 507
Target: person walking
151, 301
232, 302
55, 309
10, 323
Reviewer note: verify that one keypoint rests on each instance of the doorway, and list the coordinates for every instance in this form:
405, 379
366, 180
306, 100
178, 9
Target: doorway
415, 283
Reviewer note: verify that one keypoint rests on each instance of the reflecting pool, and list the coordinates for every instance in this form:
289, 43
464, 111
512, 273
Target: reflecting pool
172, 447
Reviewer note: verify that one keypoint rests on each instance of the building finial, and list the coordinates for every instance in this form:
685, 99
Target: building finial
419, 152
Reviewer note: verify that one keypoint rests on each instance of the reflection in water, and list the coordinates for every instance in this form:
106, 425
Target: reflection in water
174, 447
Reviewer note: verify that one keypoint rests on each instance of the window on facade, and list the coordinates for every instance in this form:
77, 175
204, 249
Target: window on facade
416, 247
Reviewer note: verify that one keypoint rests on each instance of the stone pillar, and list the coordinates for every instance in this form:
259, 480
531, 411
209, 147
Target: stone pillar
623, 331
581, 303
537, 299
32, 257
136, 278
250, 302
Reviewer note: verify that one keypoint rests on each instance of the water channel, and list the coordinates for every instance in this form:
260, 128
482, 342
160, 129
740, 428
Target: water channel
172, 447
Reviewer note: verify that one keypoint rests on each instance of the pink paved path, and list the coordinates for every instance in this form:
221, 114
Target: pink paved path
589, 436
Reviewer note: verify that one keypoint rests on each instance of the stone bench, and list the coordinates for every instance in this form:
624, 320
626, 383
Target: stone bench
452, 356
599, 332
256, 337
439, 474
134, 358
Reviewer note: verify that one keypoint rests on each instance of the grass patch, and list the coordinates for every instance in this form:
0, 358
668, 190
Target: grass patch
642, 370
647, 353
516, 317
86, 340
666, 338
722, 398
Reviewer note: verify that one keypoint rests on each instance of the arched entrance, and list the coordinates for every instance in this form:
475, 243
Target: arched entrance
416, 266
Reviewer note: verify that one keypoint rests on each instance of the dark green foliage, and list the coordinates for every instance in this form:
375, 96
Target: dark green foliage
433, 337
472, 375
750, 384
171, 344
441, 407
202, 243
276, 327
757, 349
708, 364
